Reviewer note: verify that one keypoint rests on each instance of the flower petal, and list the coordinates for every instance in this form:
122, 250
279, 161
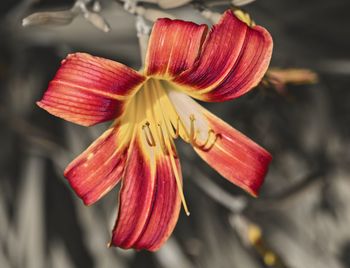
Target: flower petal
165, 210
149, 201
173, 47
235, 156
234, 59
88, 90
99, 168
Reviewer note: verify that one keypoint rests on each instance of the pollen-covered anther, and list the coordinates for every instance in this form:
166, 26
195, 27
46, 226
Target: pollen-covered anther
148, 134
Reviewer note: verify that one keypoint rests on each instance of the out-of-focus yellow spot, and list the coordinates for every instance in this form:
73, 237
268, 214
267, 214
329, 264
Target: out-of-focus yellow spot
254, 234
295, 76
270, 258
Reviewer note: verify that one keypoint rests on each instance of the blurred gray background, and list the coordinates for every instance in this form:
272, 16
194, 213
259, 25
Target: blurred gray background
304, 208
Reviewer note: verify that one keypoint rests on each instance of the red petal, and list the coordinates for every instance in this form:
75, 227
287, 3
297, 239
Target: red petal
173, 47
149, 201
235, 156
99, 168
234, 59
88, 90
165, 210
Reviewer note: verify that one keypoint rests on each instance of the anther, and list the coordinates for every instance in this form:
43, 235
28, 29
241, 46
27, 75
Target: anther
192, 129
149, 137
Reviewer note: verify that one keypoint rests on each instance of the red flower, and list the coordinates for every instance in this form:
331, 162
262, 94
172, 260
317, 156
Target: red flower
154, 108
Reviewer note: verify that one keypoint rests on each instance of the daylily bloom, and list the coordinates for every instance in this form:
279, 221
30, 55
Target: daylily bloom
152, 108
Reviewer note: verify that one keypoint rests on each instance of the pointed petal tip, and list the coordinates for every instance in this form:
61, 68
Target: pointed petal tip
236, 157
253, 192
253, 189
39, 104
63, 115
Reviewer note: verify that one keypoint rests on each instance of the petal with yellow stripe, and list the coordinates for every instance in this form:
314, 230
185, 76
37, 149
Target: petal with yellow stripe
149, 202
173, 47
100, 167
88, 90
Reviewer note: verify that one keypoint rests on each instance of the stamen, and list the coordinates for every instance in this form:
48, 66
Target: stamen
205, 146
153, 97
149, 137
192, 136
179, 185
208, 138
216, 137
173, 149
166, 150
176, 129
192, 130
162, 140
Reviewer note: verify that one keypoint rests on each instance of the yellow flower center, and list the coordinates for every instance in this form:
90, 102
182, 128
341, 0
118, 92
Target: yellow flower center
162, 113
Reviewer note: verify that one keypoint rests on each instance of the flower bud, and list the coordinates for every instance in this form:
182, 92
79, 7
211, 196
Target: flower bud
49, 18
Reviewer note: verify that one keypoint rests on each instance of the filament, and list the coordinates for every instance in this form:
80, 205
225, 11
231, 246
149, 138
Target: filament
190, 137
179, 184
162, 140
162, 125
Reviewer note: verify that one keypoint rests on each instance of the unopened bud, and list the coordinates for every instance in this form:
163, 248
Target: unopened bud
292, 76
49, 18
